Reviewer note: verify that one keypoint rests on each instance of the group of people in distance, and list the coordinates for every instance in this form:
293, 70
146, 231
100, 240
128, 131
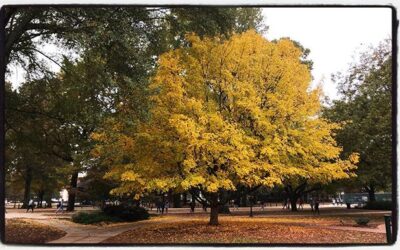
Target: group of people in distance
314, 204
60, 206
193, 206
162, 206
337, 201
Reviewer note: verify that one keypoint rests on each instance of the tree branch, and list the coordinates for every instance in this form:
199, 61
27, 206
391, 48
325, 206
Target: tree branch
10, 11
16, 34
51, 59
37, 113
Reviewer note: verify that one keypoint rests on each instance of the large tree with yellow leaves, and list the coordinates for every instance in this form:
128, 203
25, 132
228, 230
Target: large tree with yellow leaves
225, 113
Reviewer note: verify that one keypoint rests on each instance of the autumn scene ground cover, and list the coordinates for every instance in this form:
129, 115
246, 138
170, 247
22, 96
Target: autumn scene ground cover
25, 231
333, 226
249, 230
244, 230
192, 125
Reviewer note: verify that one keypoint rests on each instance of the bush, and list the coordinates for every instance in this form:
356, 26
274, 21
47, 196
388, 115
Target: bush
127, 213
379, 205
91, 218
362, 221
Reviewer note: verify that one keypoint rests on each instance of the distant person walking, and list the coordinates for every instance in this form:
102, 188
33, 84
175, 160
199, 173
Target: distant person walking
30, 205
192, 206
312, 204
316, 206
162, 207
284, 204
301, 203
60, 206
204, 207
262, 205
158, 204
166, 206
236, 205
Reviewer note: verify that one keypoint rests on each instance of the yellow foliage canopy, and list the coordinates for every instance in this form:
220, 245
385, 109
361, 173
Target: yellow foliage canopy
224, 113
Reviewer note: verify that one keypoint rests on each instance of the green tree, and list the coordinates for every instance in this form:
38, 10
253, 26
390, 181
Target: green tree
27, 28
26, 157
365, 107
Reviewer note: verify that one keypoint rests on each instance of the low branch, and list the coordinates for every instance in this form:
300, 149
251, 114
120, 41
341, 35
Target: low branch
202, 201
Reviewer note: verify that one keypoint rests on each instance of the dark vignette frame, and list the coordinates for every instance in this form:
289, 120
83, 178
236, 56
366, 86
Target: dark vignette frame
395, 25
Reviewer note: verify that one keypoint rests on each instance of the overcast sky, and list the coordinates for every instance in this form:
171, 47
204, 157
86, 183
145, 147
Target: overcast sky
333, 35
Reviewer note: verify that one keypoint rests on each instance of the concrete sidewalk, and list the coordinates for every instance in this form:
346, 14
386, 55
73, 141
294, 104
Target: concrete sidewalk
380, 229
89, 234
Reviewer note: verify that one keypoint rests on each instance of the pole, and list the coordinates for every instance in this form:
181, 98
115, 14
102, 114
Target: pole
388, 225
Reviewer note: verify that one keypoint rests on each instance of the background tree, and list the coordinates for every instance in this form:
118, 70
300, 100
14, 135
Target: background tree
365, 108
26, 155
60, 112
28, 28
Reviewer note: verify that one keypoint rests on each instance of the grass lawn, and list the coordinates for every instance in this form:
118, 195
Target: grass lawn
241, 229
23, 231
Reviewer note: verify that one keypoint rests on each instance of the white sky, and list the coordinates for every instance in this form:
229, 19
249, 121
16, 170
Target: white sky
333, 35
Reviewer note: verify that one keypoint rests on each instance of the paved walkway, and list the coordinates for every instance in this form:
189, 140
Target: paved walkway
380, 229
83, 234
79, 234
88, 234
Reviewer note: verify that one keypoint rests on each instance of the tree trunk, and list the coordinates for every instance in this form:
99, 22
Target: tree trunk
214, 209
184, 198
371, 194
176, 200
293, 203
40, 203
27, 191
72, 192
243, 202
193, 198
48, 202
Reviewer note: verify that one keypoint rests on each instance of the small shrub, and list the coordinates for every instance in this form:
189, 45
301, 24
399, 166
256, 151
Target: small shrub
379, 205
127, 213
362, 221
91, 218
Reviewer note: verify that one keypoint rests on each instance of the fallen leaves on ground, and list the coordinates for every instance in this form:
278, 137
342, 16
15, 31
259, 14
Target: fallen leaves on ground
21, 231
247, 230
